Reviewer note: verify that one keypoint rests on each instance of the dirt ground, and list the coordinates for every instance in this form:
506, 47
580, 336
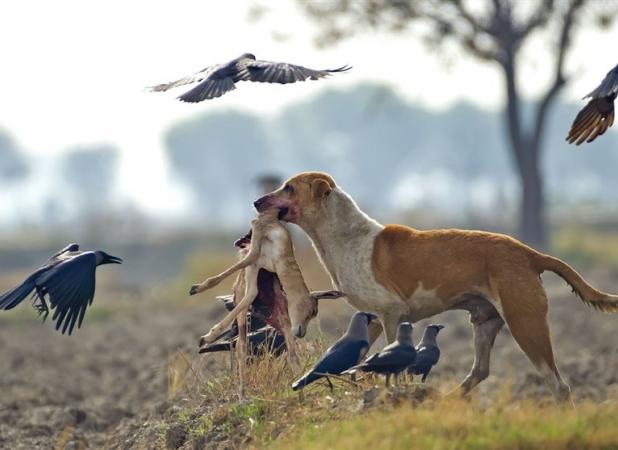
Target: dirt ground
101, 387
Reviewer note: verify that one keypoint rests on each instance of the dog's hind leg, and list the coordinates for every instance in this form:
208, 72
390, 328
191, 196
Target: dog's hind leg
524, 306
484, 336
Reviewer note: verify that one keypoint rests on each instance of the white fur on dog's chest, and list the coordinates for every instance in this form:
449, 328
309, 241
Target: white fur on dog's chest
350, 264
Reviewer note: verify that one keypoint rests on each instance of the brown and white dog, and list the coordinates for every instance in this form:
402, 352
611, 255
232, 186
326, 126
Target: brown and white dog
402, 274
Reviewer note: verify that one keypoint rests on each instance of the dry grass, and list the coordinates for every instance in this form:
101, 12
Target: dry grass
366, 416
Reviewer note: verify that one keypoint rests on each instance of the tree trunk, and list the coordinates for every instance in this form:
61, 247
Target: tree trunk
532, 226
525, 151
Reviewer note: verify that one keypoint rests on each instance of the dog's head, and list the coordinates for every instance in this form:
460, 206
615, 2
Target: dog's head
300, 198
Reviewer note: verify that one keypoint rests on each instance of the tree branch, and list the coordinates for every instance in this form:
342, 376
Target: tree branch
538, 19
568, 21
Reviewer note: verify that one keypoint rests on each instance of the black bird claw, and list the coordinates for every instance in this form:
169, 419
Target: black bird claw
193, 289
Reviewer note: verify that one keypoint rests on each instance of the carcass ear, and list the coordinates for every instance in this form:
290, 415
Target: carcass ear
317, 295
320, 188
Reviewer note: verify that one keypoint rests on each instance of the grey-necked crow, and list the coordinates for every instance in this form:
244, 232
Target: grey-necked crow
392, 359
68, 280
598, 115
266, 339
343, 354
427, 352
214, 81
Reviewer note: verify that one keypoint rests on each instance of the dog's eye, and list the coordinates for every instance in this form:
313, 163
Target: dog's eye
288, 188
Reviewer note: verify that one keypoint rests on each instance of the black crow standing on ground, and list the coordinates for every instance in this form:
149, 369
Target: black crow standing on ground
68, 281
598, 115
427, 352
343, 354
214, 81
392, 359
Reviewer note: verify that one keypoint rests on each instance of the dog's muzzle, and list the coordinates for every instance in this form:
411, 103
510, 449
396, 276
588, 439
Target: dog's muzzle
259, 204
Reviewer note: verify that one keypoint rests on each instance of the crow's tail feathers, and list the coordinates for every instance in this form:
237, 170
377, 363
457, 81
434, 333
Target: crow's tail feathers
15, 296
309, 378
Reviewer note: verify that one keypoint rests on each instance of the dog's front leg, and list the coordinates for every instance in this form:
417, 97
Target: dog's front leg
251, 291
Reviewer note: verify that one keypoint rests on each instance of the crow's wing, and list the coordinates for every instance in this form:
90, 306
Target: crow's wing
283, 73
426, 357
397, 357
593, 120
195, 78
69, 248
208, 89
344, 354
608, 86
341, 356
70, 286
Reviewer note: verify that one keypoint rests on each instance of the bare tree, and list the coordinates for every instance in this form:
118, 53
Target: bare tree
493, 31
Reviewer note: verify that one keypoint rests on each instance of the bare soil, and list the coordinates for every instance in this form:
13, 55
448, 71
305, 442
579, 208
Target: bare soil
109, 386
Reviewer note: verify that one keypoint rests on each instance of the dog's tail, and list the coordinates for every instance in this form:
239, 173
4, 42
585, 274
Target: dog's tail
588, 294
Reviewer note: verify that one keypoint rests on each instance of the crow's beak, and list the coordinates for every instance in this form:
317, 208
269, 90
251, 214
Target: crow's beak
439, 327
114, 260
371, 317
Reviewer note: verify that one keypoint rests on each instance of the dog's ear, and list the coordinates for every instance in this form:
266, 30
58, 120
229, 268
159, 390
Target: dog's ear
317, 295
320, 188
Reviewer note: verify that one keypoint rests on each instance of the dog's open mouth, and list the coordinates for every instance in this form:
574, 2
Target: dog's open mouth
282, 213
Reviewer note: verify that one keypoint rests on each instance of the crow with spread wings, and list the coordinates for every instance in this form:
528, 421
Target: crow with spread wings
598, 115
214, 81
67, 280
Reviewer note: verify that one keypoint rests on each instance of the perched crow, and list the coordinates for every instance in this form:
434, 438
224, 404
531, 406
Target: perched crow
68, 280
392, 359
343, 354
266, 339
427, 352
214, 81
598, 115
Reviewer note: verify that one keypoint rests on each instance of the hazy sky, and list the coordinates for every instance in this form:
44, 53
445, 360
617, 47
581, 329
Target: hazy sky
73, 72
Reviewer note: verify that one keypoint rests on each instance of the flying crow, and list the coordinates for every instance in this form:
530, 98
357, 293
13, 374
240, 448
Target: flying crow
427, 352
598, 115
68, 281
214, 81
343, 354
392, 359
